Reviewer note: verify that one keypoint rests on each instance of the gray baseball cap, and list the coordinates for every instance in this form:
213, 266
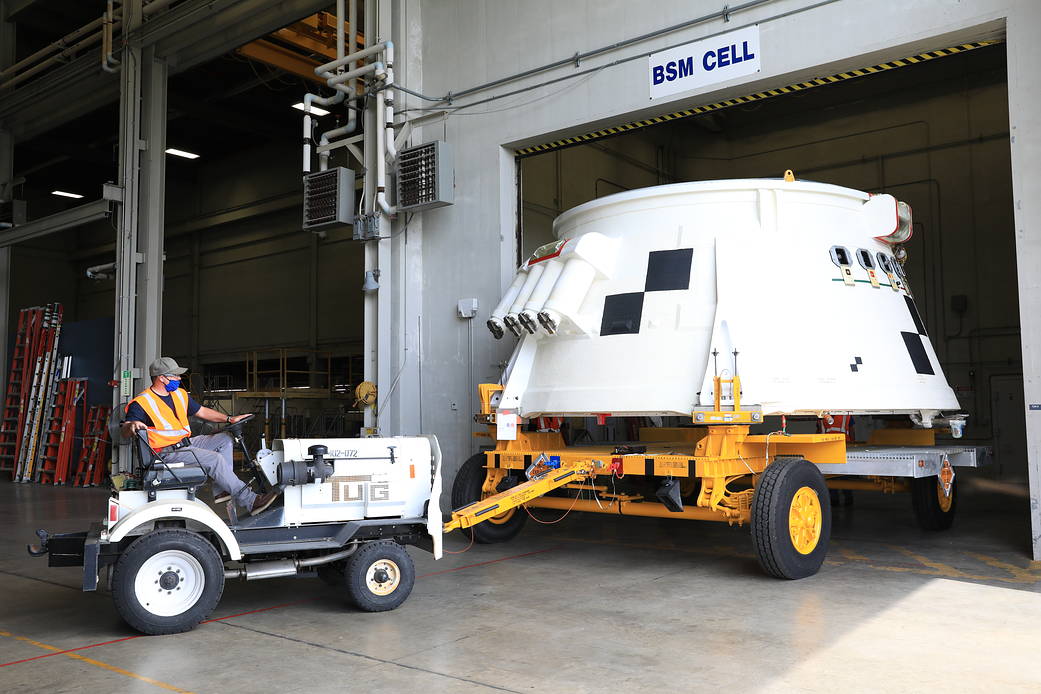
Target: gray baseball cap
164, 365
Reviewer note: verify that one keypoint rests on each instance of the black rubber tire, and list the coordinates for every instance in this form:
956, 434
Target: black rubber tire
771, 506
355, 573
130, 562
467, 489
926, 503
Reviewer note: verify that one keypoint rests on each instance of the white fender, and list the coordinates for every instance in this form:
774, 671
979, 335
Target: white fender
435, 524
177, 509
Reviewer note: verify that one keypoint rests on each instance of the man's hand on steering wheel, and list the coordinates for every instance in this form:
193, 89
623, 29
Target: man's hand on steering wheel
238, 418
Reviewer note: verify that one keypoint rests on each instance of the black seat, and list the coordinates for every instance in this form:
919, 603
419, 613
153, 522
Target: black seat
157, 474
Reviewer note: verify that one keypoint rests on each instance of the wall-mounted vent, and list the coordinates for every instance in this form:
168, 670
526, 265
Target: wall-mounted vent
426, 177
328, 198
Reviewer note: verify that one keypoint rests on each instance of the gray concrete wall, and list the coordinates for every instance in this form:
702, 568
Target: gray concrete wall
466, 43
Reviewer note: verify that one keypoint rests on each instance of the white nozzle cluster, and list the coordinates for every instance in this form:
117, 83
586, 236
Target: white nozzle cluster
548, 290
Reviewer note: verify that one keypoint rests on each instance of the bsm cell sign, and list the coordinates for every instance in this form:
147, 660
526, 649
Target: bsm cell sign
701, 63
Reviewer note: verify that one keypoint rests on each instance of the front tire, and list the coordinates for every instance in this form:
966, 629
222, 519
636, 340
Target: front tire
933, 509
379, 576
167, 581
468, 488
791, 519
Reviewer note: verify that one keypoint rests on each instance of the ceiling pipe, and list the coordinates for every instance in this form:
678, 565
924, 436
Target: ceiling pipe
105, 271
108, 63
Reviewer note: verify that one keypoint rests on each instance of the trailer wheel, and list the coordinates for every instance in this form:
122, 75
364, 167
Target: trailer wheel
379, 576
167, 581
468, 488
933, 509
791, 519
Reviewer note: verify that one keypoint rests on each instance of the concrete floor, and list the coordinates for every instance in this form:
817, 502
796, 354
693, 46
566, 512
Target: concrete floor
592, 603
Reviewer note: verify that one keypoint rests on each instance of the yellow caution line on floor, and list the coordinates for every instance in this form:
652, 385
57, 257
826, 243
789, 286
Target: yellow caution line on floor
96, 663
749, 98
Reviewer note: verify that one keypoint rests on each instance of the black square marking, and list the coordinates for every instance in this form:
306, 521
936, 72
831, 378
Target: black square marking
668, 270
622, 314
855, 366
916, 350
915, 316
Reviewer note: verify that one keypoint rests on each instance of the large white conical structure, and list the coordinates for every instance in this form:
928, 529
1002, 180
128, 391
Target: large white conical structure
650, 293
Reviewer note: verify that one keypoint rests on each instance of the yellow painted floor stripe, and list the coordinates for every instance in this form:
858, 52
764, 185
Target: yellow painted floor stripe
97, 663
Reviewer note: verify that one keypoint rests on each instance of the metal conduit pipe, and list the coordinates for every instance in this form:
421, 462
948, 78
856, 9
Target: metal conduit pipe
67, 53
378, 69
108, 63
63, 43
105, 271
326, 69
391, 149
71, 43
342, 93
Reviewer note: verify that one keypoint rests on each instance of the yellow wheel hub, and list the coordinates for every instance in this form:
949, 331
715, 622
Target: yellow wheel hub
944, 500
382, 577
804, 520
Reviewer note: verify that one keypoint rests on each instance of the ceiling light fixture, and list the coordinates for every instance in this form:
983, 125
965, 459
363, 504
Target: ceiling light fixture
63, 194
182, 153
315, 111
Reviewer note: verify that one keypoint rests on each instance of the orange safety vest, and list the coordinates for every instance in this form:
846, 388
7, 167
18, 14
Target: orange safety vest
169, 426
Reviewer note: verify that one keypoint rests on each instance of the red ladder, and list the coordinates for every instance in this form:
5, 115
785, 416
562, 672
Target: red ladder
40, 393
53, 466
9, 428
90, 469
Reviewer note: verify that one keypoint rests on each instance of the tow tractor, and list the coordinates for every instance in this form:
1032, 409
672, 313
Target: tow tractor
350, 506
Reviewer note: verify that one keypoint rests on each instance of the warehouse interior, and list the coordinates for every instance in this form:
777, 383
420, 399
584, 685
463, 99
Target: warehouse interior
293, 326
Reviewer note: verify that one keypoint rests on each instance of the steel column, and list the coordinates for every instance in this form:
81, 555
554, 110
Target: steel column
1024, 95
139, 243
7, 55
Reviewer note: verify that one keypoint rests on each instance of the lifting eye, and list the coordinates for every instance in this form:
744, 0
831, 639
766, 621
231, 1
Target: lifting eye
840, 255
866, 261
884, 263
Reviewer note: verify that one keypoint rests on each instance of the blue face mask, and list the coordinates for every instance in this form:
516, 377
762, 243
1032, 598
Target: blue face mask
173, 385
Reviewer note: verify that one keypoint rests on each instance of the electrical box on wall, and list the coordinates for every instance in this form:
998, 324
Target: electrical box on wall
328, 198
426, 177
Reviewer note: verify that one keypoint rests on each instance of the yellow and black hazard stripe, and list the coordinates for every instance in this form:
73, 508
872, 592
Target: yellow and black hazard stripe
758, 96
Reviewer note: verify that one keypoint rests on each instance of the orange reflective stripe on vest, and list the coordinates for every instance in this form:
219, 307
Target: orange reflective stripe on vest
169, 427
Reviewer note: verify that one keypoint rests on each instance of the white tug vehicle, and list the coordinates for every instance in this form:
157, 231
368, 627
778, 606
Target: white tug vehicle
350, 507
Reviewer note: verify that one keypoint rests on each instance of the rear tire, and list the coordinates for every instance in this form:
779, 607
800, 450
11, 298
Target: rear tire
932, 508
791, 519
379, 576
467, 488
167, 581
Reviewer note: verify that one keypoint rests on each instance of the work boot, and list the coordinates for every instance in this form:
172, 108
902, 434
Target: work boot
263, 502
222, 498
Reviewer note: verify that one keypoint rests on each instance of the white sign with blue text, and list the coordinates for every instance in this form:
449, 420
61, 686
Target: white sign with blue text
709, 61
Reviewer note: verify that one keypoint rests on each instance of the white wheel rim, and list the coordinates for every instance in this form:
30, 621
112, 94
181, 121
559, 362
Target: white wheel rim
169, 583
383, 569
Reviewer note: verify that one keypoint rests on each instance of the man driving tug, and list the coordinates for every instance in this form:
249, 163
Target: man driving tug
163, 409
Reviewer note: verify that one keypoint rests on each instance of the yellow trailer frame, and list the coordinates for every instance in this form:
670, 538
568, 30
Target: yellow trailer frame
717, 456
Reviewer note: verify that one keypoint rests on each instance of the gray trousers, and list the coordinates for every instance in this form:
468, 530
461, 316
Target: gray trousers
213, 453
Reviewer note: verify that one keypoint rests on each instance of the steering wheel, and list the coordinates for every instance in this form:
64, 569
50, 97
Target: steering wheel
236, 428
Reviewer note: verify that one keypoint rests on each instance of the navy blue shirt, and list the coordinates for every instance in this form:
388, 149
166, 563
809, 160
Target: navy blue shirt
136, 413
